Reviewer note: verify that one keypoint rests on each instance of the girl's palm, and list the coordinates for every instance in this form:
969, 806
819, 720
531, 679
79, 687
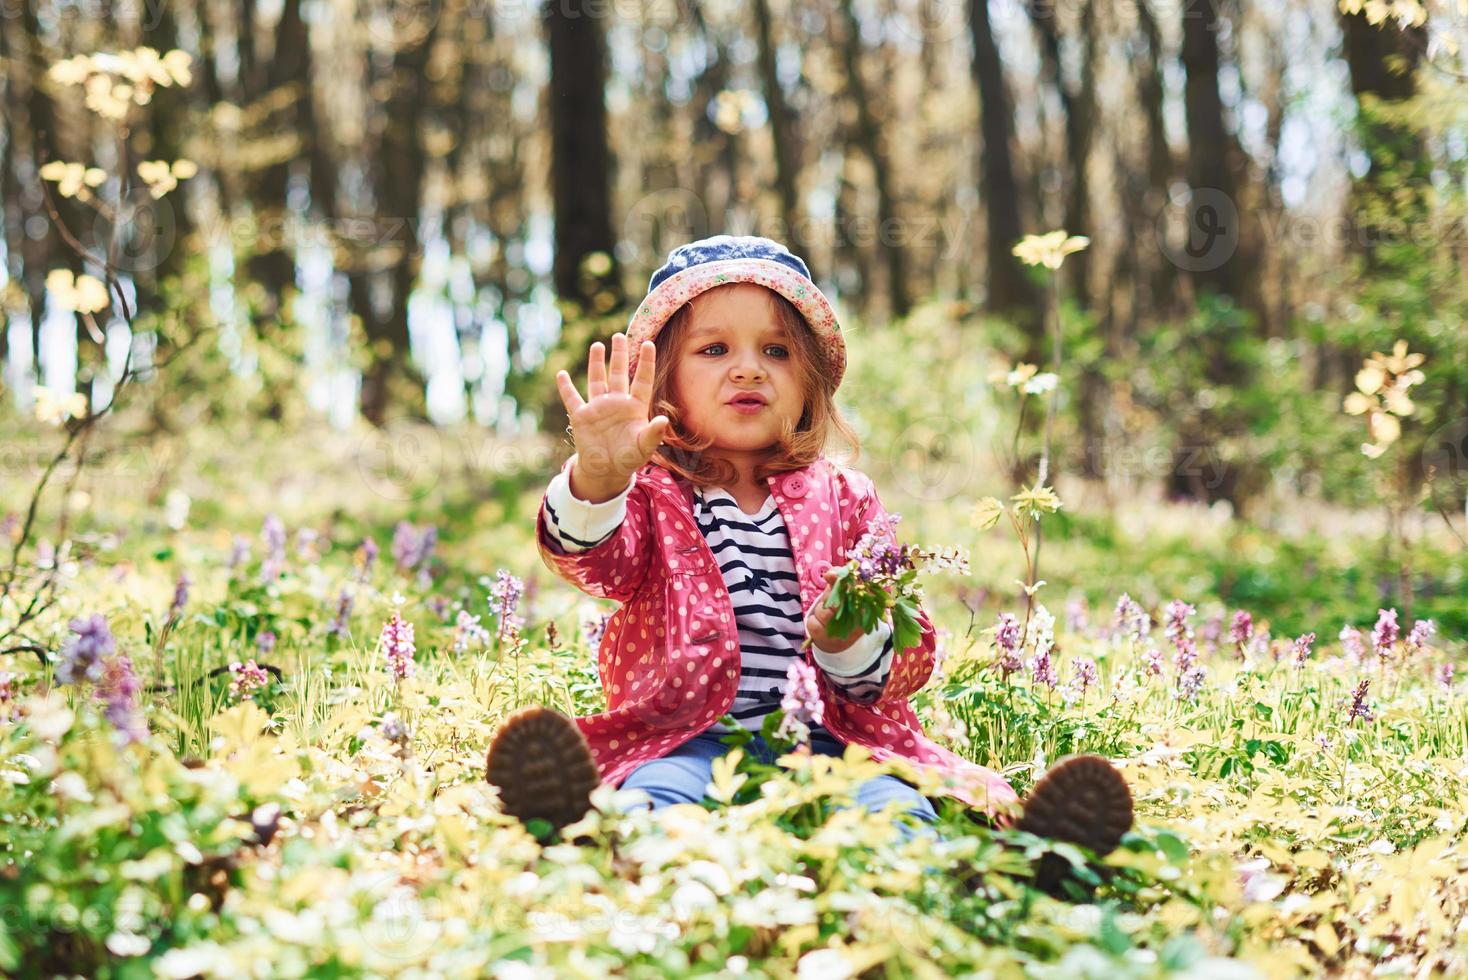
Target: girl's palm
610, 427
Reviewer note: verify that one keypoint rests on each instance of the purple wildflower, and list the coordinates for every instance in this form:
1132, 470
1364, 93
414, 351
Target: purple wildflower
1007, 638
593, 628
306, 544
1384, 635
1302, 646
1360, 707
412, 549
878, 555
180, 595
801, 702
1445, 676
1178, 612
394, 729
440, 606
1422, 631
1211, 632
338, 625
1241, 630
82, 655
1077, 615
272, 535
245, 679
1352, 644
396, 641
1190, 683
1130, 618
1262, 643
119, 689
1186, 657
1152, 661
1082, 681
467, 631
265, 642
1044, 669
365, 557
7, 695
239, 552
1085, 671
507, 592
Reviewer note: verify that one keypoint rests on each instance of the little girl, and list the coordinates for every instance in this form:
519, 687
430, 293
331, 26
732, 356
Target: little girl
717, 524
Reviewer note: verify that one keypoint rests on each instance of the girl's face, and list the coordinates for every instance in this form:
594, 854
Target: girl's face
736, 378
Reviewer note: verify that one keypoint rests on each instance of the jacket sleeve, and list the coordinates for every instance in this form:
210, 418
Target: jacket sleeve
615, 564
911, 666
861, 670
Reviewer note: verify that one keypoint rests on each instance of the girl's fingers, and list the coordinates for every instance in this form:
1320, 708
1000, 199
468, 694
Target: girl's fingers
646, 370
651, 435
570, 397
617, 381
596, 371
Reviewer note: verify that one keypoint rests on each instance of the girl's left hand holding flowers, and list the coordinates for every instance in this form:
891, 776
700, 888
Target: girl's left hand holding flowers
818, 621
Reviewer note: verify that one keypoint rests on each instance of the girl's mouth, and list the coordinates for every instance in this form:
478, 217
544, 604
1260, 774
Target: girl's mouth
748, 404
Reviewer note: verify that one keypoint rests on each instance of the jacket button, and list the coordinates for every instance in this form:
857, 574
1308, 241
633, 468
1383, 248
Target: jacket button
820, 568
795, 485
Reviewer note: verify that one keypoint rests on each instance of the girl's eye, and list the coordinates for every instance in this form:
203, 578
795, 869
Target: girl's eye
710, 349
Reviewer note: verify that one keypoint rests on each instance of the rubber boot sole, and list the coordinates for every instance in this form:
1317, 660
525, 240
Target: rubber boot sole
1083, 800
542, 766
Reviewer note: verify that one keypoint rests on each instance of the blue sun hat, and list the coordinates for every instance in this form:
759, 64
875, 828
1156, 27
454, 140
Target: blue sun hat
700, 266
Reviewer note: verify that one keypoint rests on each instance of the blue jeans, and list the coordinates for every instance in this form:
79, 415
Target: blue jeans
682, 775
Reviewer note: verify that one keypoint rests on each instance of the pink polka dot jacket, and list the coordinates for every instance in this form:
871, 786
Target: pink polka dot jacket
669, 659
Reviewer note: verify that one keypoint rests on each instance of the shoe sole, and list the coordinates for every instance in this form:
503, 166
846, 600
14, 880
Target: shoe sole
542, 766
1083, 800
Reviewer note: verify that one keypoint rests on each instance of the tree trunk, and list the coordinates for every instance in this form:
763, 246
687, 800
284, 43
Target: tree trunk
1011, 291
400, 165
272, 266
581, 161
782, 124
868, 137
1370, 53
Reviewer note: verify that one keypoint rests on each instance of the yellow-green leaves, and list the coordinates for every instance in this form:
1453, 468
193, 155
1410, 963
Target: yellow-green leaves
55, 407
725, 782
114, 83
1049, 249
73, 179
1382, 395
81, 294
986, 513
1036, 501
162, 177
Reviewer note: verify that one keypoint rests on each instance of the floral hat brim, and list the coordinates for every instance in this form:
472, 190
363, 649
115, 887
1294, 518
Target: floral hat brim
663, 301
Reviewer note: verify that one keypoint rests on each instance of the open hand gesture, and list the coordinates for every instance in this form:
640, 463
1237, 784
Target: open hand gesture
610, 427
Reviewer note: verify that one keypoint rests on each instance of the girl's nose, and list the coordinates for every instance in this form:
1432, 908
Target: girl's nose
747, 372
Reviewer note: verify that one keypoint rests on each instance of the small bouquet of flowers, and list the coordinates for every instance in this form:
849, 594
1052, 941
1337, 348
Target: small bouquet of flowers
882, 574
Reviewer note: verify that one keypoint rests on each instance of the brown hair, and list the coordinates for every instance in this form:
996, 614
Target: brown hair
682, 453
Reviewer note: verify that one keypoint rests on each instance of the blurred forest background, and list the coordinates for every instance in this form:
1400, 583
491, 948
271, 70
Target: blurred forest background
419, 209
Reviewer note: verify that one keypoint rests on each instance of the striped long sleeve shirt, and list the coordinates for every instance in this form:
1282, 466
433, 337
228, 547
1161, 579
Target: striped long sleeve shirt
754, 557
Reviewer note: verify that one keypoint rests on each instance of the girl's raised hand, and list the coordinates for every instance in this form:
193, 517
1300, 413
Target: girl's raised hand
610, 427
